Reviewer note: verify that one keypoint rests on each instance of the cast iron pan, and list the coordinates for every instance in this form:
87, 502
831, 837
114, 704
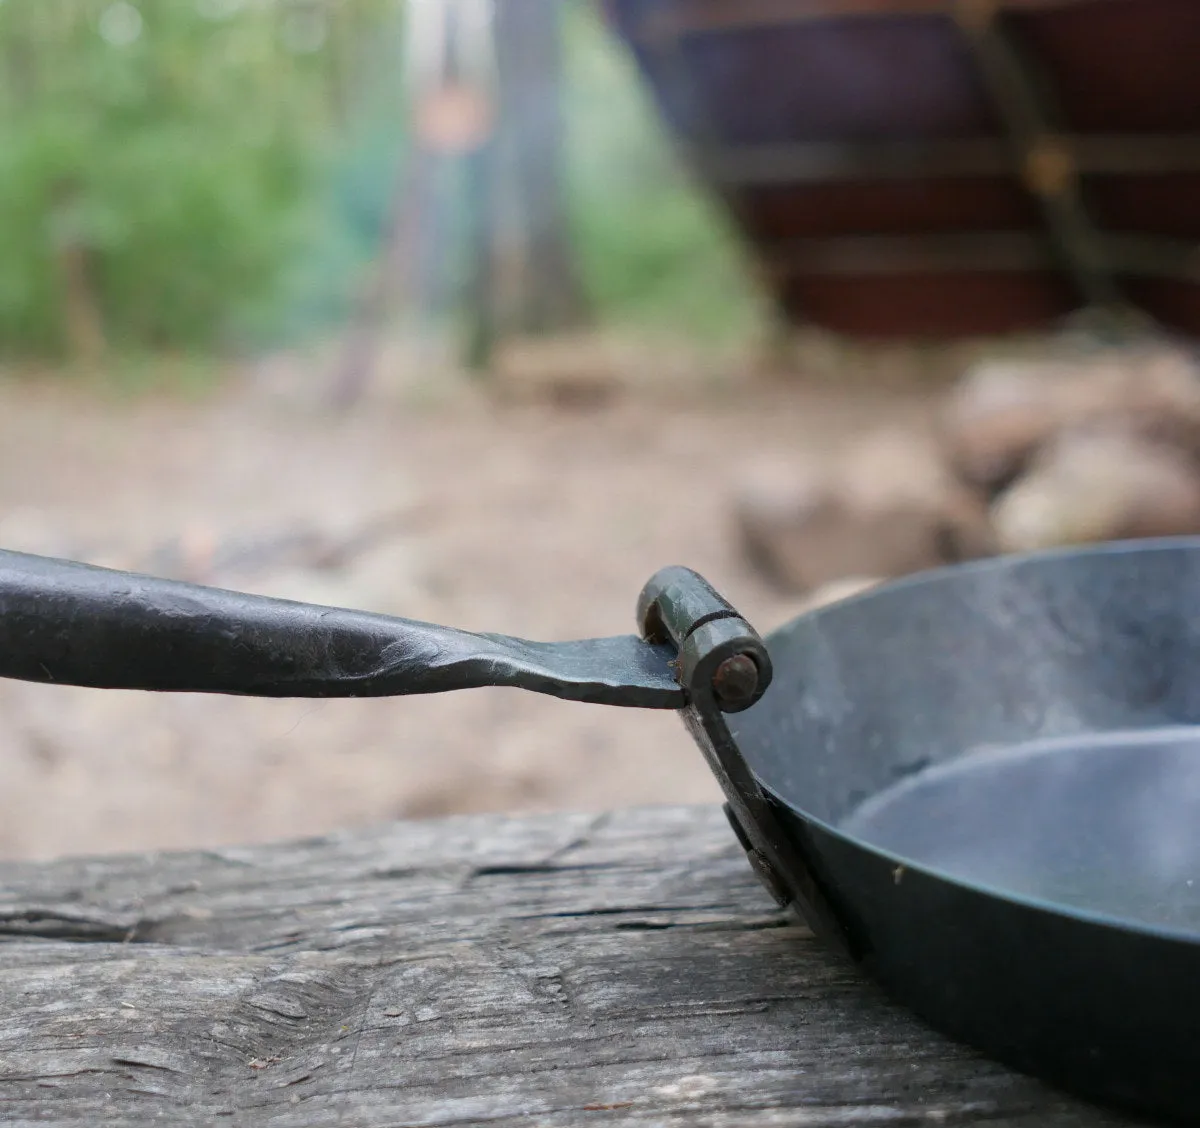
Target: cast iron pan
982, 784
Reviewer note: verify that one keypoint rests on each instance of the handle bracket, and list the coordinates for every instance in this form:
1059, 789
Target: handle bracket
724, 668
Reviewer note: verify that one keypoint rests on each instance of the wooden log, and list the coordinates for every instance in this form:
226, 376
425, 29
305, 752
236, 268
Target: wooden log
700, 17
970, 253
558, 970
565, 369
819, 162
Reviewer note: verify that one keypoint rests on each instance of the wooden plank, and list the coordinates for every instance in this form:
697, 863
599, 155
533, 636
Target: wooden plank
987, 251
857, 255
1147, 155
753, 166
558, 971
1155, 256
699, 17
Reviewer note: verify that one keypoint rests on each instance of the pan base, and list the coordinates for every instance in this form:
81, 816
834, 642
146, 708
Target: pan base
1109, 823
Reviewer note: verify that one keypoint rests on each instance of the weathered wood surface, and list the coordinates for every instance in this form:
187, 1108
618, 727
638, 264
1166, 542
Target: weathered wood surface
575, 970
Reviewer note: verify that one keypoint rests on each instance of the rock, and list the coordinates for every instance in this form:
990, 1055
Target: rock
1003, 412
1099, 484
888, 506
995, 418
566, 370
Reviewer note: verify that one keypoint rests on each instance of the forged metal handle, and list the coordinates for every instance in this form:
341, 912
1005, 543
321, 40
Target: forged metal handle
76, 624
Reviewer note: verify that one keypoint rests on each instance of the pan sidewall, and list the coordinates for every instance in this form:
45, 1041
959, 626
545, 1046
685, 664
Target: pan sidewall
1107, 1012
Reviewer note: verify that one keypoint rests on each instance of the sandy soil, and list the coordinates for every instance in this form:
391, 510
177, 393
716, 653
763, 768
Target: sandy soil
526, 519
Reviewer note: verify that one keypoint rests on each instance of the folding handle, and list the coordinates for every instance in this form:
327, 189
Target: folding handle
76, 624
725, 668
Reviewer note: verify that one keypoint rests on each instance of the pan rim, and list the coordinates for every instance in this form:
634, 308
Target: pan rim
1001, 562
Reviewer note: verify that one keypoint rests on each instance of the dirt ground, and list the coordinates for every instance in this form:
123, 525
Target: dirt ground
521, 518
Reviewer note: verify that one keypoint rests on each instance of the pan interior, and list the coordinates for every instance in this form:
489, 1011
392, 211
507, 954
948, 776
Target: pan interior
1108, 824
1031, 724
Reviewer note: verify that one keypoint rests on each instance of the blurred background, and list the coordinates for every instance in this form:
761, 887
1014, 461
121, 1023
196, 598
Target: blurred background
481, 311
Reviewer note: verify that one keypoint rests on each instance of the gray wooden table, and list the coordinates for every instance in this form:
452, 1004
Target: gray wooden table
625, 969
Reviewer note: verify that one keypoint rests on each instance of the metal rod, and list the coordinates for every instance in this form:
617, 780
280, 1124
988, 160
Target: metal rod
1045, 163
68, 623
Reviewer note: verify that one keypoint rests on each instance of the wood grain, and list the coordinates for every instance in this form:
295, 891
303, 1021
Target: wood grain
558, 970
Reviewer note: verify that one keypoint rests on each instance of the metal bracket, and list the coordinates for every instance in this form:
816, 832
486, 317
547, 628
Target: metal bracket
724, 667
1046, 166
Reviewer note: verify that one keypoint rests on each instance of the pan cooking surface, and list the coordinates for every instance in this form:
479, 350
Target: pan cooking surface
1108, 823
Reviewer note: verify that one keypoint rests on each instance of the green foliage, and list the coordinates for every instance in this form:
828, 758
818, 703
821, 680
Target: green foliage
218, 172
654, 250
343, 222
170, 144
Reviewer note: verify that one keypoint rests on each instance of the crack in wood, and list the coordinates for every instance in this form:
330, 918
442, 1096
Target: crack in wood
79, 928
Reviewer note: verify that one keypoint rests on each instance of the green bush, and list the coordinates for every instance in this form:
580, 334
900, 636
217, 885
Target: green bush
207, 173
654, 250
172, 150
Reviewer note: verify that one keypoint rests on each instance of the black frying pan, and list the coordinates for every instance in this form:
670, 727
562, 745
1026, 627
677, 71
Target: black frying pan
982, 783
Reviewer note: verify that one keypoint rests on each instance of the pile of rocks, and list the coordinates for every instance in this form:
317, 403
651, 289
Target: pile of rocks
1024, 455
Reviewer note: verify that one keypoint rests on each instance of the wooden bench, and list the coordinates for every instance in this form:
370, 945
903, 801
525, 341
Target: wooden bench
557, 970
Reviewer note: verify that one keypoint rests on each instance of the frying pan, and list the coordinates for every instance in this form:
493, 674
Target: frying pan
981, 784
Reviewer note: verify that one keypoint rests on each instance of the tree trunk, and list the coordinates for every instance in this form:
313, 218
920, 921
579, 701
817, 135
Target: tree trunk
396, 271
479, 297
538, 287
83, 325
81, 314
